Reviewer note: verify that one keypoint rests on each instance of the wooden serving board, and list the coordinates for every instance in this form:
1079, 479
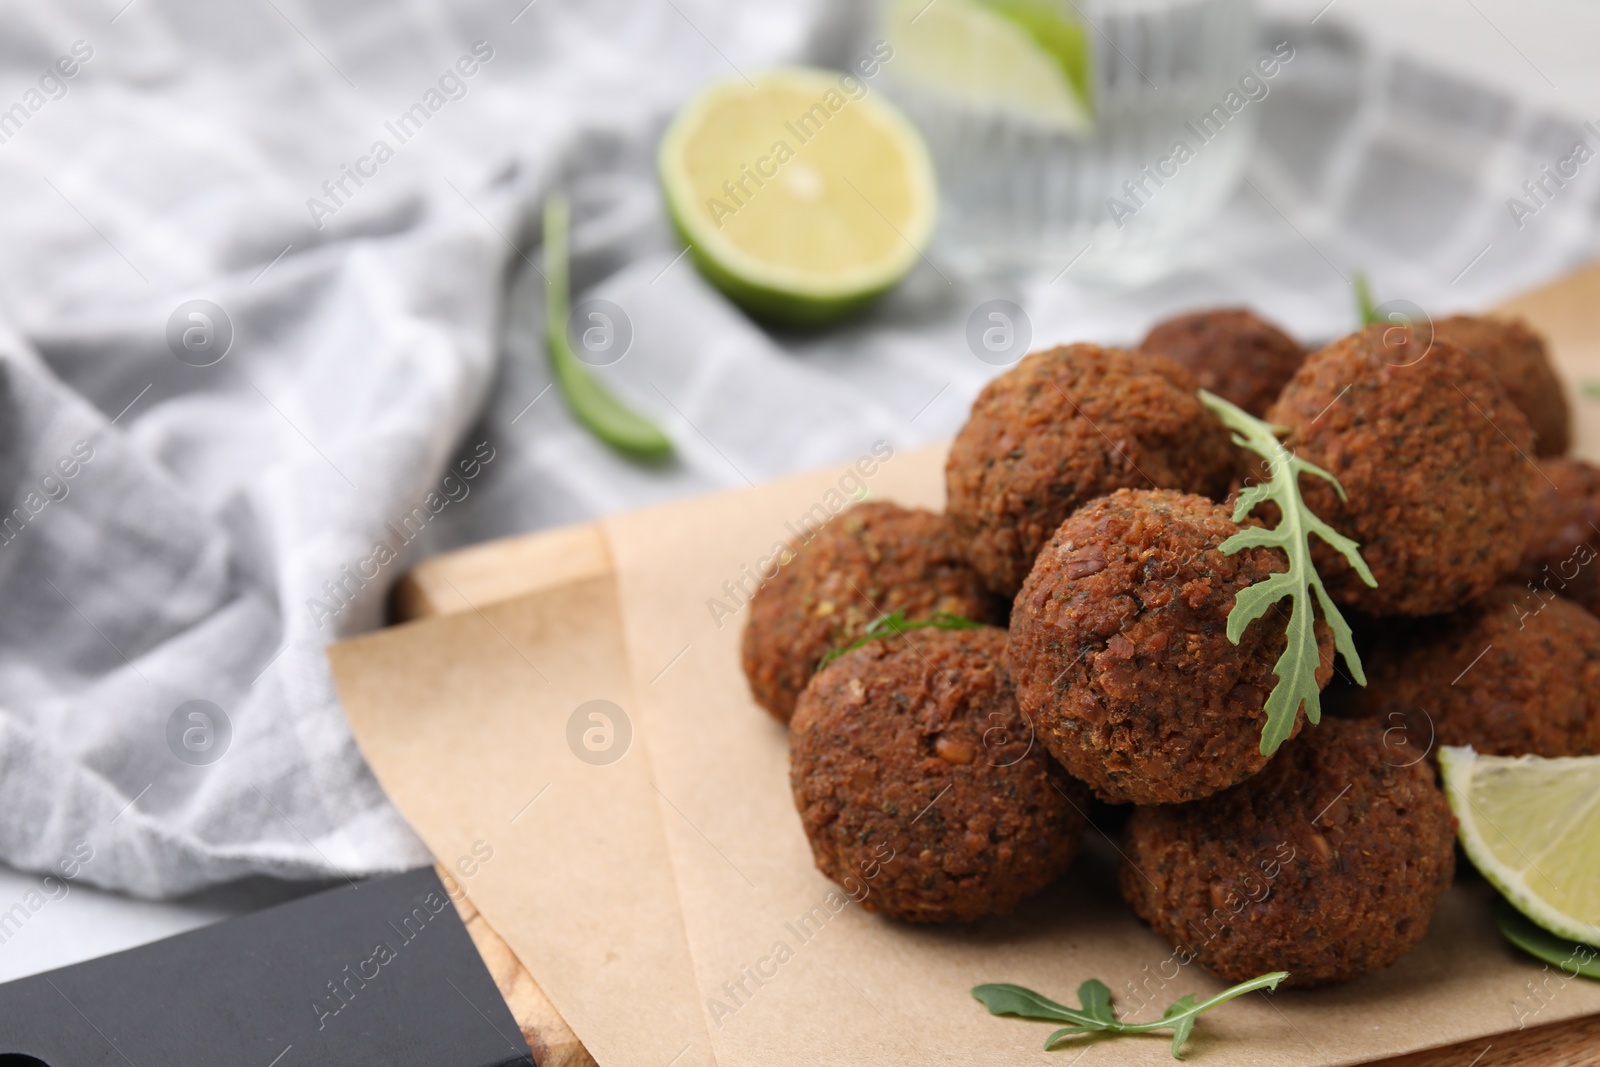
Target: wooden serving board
469, 579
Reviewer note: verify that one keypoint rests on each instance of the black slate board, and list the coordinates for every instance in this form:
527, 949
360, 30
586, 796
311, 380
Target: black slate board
382, 973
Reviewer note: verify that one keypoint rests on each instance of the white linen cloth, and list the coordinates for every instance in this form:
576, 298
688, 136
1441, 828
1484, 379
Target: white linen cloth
220, 523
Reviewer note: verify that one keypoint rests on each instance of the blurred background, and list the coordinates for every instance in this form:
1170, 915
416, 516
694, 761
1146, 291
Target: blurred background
260, 343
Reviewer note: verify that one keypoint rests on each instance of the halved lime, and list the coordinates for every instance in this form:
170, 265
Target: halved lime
1532, 826
1029, 57
800, 194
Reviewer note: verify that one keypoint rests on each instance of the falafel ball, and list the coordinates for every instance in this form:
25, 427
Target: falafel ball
1232, 352
920, 784
1516, 673
1521, 365
1560, 555
873, 560
1328, 864
1432, 455
1063, 427
1120, 651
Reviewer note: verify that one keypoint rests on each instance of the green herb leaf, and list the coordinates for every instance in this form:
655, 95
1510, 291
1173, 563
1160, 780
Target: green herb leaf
1591, 390
1005, 999
1368, 309
1095, 996
1061, 1034
1096, 1016
1181, 1014
897, 623
1297, 667
606, 417
1572, 957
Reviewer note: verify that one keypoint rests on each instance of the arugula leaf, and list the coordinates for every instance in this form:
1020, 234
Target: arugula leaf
1095, 996
897, 623
1573, 958
1297, 667
606, 417
1002, 998
1096, 1016
1182, 1015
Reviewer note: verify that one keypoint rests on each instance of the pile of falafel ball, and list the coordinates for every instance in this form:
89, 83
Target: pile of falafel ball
953, 771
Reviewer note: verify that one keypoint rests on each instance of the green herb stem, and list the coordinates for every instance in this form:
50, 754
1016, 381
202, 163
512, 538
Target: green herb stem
1368, 309
605, 416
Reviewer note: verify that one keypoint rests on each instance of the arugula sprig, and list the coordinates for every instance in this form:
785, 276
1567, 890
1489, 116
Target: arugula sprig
897, 623
1297, 667
1096, 1017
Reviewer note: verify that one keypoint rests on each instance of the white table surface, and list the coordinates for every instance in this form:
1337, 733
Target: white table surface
90, 922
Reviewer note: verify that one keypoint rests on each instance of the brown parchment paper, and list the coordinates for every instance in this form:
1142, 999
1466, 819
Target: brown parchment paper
465, 720
668, 905
845, 986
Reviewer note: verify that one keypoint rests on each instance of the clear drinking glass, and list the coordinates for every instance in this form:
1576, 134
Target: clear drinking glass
1024, 192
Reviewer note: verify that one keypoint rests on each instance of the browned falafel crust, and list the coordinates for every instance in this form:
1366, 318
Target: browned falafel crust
1520, 364
1512, 674
1561, 556
1232, 352
1432, 455
1328, 864
1063, 427
1120, 652
873, 560
920, 785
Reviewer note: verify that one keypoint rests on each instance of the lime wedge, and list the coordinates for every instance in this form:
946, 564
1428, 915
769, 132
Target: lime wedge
1063, 36
1026, 56
798, 198
1532, 826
